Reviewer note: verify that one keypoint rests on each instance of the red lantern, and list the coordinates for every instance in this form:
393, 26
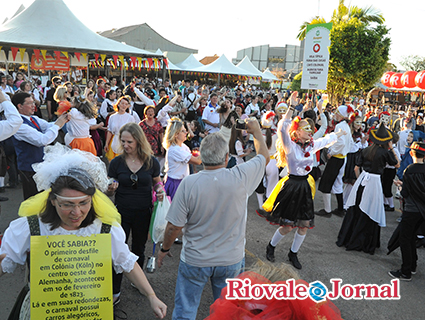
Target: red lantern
408, 79
395, 81
420, 79
385, 80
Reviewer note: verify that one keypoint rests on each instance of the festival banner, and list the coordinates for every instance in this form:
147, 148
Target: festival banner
50, 63
71, 277
316, 57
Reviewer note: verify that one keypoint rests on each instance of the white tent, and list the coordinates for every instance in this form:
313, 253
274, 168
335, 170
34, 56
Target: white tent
222, 66
190, 64
268, 76
247, 65
59, 29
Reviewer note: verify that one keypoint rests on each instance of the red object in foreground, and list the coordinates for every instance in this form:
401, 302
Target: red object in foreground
420, 79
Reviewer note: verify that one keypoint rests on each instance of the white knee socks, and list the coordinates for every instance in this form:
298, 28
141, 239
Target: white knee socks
276, 238
298, 241
327, 202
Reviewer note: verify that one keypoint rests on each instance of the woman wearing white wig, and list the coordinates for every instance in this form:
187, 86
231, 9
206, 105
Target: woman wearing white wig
72, 203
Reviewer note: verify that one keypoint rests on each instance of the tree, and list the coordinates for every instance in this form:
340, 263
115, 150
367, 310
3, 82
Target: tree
359, 49
415, 63
296, 83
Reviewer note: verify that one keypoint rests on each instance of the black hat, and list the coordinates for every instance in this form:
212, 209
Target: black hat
150, 93
418, 146
381, 135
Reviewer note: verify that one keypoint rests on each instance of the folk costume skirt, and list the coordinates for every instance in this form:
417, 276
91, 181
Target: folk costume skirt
365, 216
84, 144
291, 202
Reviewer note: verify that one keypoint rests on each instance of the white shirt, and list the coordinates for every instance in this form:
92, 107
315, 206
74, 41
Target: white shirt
210, 114
116, 121
251, 108
344, 143
6, 90
78, 126
176, 161
163, 115
13, 120
33, 136
104, 107
16, 243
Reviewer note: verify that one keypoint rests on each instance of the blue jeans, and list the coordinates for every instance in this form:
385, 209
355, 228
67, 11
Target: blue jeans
190, 284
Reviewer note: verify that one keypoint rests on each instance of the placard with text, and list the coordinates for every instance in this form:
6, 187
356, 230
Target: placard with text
316, 57
71, 277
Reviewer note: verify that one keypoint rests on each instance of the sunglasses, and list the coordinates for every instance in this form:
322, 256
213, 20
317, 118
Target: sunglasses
134, 178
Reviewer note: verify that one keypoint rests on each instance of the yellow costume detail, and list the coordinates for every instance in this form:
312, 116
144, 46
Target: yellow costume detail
268, 205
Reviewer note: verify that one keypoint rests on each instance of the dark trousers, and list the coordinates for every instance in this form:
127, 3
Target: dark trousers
387, 181
137, 222
12, 169
28, 184
409, 224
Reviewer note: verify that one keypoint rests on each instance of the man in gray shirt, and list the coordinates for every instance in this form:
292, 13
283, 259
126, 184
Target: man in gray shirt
211, 208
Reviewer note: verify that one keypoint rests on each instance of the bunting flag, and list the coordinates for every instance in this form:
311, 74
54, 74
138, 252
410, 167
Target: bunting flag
14, 52
122, 60
22, 52
37, 54
84, 55
65, 53
133, 62
150, 62
114, 62
44, 52
157, 64
78, 55
1, 47
96, 56
166, 62
103, 57
58, 54
139, 60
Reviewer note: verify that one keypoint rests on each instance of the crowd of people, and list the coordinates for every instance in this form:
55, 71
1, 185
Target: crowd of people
153, 136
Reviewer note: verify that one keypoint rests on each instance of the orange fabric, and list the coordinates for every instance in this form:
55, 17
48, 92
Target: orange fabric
111, 154
63, 107
83, 144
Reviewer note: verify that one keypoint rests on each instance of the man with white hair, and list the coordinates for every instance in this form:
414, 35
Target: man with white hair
212, 207
331, 180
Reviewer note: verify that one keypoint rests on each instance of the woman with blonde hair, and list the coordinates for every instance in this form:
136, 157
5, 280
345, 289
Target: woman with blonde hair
178, 155
290, 205
116, 121
60, 96
135, 175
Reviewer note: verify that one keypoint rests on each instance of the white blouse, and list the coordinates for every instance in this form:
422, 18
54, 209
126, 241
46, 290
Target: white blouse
299, 161
78, 126
116, 121
16, 243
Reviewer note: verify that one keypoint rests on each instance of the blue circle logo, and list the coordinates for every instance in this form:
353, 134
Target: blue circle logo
317, 291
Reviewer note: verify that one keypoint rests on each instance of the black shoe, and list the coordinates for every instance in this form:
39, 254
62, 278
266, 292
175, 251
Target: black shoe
4, 198
398, 275
388, 208
294, 259
270, 252
420, 242
178, 241
116, 302
323, 213
339, 213
261, 212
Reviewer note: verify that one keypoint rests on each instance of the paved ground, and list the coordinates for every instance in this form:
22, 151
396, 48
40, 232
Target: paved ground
320, 257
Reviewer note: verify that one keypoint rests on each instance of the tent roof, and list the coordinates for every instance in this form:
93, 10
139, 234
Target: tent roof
247, 65
172, 66
190, 64
222, 66
59, 29
268, 75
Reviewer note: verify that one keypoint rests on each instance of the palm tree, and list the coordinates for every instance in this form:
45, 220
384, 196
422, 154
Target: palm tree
342, 14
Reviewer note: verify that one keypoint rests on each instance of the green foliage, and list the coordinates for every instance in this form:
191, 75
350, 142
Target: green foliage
296, 83
415, 63
359, 49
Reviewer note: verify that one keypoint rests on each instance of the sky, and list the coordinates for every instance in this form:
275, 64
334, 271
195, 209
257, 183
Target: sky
226, 26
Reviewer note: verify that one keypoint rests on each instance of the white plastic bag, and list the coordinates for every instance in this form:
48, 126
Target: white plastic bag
159, 222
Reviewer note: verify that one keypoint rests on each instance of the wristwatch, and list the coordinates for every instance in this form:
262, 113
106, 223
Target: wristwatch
163, 250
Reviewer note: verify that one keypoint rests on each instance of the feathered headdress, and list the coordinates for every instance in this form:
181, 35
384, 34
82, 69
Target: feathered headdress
295, 124
267, 119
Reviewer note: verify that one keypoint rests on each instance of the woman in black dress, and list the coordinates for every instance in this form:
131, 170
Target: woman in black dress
365, 216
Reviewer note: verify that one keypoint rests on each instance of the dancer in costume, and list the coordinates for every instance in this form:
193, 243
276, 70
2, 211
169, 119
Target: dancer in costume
72, 203
331, 181
365, 216
291, 203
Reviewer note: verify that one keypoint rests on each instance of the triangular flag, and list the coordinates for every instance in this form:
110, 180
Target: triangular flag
166, 62
150, 61
115, 61
122, 60
1, 47
37, 54
139, 60
103, 57
96, 56
65, 53
133, 61
43, 52
58, 54
84, 55
22, 52
14, 52
78, 55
